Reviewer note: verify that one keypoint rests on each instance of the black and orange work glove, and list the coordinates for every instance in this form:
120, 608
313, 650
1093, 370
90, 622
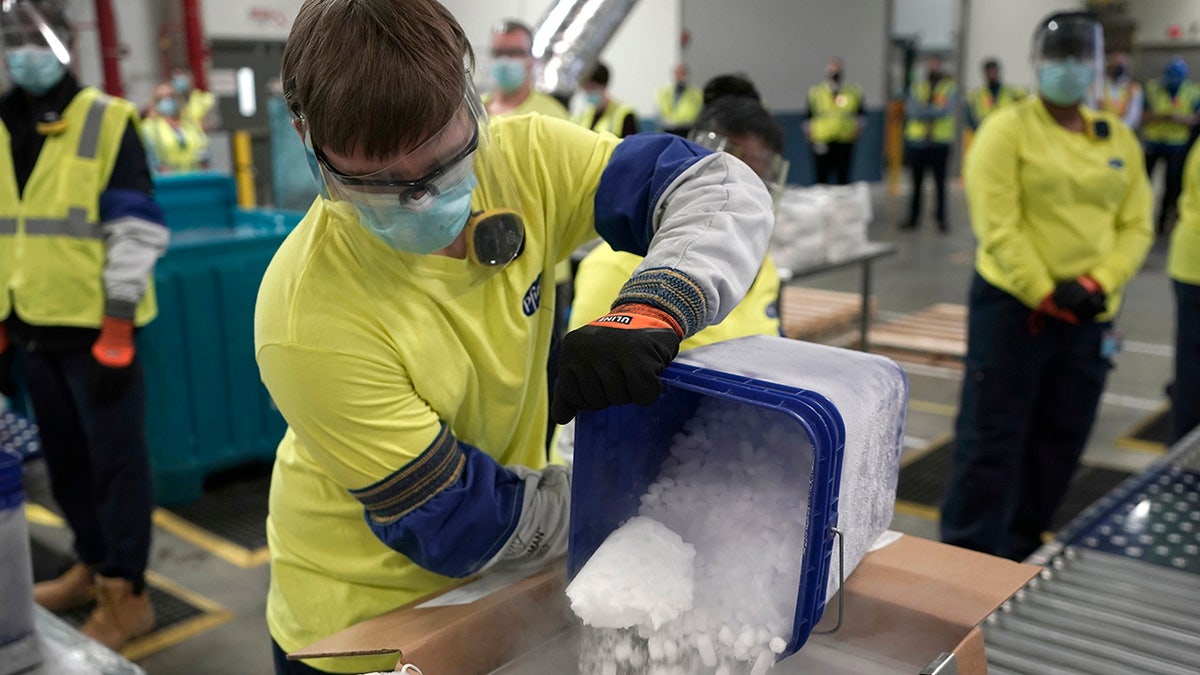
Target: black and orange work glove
8, 383
113, 352
615, 360
1082, 297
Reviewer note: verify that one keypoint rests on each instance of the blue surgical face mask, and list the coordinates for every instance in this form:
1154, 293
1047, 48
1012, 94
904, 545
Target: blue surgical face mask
422, 230
181, 83
508, 73
167, 107
34, 69
1065, 82
593, 98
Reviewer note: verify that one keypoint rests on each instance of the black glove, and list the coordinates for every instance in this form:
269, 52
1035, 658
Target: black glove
614, 360
8, 383
1082, 297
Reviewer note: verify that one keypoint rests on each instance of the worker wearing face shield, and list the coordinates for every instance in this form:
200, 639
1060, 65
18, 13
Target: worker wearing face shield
79, 237
1172, 110
403, 329
1060, 206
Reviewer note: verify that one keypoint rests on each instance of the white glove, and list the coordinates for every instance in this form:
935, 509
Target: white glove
541, 533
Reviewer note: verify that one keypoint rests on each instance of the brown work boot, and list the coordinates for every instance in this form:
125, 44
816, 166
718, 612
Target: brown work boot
120, 615
75, 588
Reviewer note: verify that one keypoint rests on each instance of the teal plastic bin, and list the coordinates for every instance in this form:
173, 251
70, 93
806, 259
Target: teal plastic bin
202, 199
207, 410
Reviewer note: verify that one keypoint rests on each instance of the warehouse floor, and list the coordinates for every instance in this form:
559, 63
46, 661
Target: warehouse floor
929, 268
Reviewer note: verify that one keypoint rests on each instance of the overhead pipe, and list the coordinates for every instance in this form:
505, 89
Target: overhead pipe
194, 35
110, 48
568, 41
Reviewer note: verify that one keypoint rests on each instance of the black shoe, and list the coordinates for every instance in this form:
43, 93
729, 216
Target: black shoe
943, 226
908, 225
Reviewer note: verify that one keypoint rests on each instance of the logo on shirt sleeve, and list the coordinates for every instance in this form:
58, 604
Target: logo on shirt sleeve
1116, 163
533, 298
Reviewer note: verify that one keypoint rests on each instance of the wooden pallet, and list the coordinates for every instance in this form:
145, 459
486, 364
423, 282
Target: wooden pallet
935, 335
818, 315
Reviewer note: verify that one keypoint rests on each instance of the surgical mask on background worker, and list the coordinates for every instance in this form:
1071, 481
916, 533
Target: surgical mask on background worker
167, 107
182, 83
34, 69
508, 73
1065, 82
593, 97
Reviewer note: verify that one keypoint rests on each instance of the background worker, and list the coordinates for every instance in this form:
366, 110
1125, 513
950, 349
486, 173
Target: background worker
76, 272
993, 95
1183, 267
199, 107
927, 138
1122, 95
454, 225
601, 112
1172, 109
1060, 205
834, 119
512, 73
742, 127
679, 104
175, 144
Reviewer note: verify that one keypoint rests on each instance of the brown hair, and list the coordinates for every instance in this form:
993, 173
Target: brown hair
374, 76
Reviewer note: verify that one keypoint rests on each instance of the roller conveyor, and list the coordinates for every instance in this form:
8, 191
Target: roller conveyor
1121, 589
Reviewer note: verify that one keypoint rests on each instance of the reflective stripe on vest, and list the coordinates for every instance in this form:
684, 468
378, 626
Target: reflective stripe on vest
8, 225
939, 130
1169, 131
74, 225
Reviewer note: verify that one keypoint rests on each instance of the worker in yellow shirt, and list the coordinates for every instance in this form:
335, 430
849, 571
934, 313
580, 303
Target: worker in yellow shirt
835, 118
742, 127
175, 143
199, 107
928, 134
1172, 109
512, 73
1183, 266
1060, 205
402, 330
993, 95
1122, 95
679, 103
601, 112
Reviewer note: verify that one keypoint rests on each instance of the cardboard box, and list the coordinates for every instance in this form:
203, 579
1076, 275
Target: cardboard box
905, 604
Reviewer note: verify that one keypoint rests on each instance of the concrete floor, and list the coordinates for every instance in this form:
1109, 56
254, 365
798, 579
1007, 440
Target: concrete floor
929, 268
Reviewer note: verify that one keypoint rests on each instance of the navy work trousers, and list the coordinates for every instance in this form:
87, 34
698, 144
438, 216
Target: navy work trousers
1029, 398
1185, 403
95, 452
932, 157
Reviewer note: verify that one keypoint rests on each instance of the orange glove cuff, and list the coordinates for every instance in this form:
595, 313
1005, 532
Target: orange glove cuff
114, 347
1090, 284
637, 316
3, 338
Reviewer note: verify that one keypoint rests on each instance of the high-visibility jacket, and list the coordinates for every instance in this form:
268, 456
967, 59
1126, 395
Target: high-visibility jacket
941, 128
52, 250
1161, 102
834, 116
983, 102
612, 121
177, 148
199, 104
679, 111
1183, 261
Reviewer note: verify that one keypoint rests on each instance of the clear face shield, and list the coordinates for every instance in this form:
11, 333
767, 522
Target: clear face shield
35, 53
456, 182
1068, 57
770, 166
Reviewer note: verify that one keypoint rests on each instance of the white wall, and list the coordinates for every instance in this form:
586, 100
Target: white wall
1154, 17
248, 19
1004, 30
783, 45
933, 22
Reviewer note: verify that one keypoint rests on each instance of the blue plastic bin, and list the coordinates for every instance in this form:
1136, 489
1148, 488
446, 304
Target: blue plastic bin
619, 452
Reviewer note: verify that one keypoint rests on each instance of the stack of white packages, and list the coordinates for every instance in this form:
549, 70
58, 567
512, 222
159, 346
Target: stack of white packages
820, 224
849, 213
727, 514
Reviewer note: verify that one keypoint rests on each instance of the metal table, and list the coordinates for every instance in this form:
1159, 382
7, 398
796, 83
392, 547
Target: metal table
872, 251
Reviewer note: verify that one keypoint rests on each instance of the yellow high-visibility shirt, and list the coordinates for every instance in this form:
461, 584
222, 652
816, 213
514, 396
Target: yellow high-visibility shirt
603, 271
536, 102
1183, 262
1049, 205
365, 375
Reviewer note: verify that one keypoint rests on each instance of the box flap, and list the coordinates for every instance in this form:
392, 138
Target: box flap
478, 636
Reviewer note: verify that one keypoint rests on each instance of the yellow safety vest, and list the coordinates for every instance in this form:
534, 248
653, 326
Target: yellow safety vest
179, 148
51, 244
199, 104
983, 103
940, 130
834, 118
1161, 103
1120, 104
612, 121
679, 112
